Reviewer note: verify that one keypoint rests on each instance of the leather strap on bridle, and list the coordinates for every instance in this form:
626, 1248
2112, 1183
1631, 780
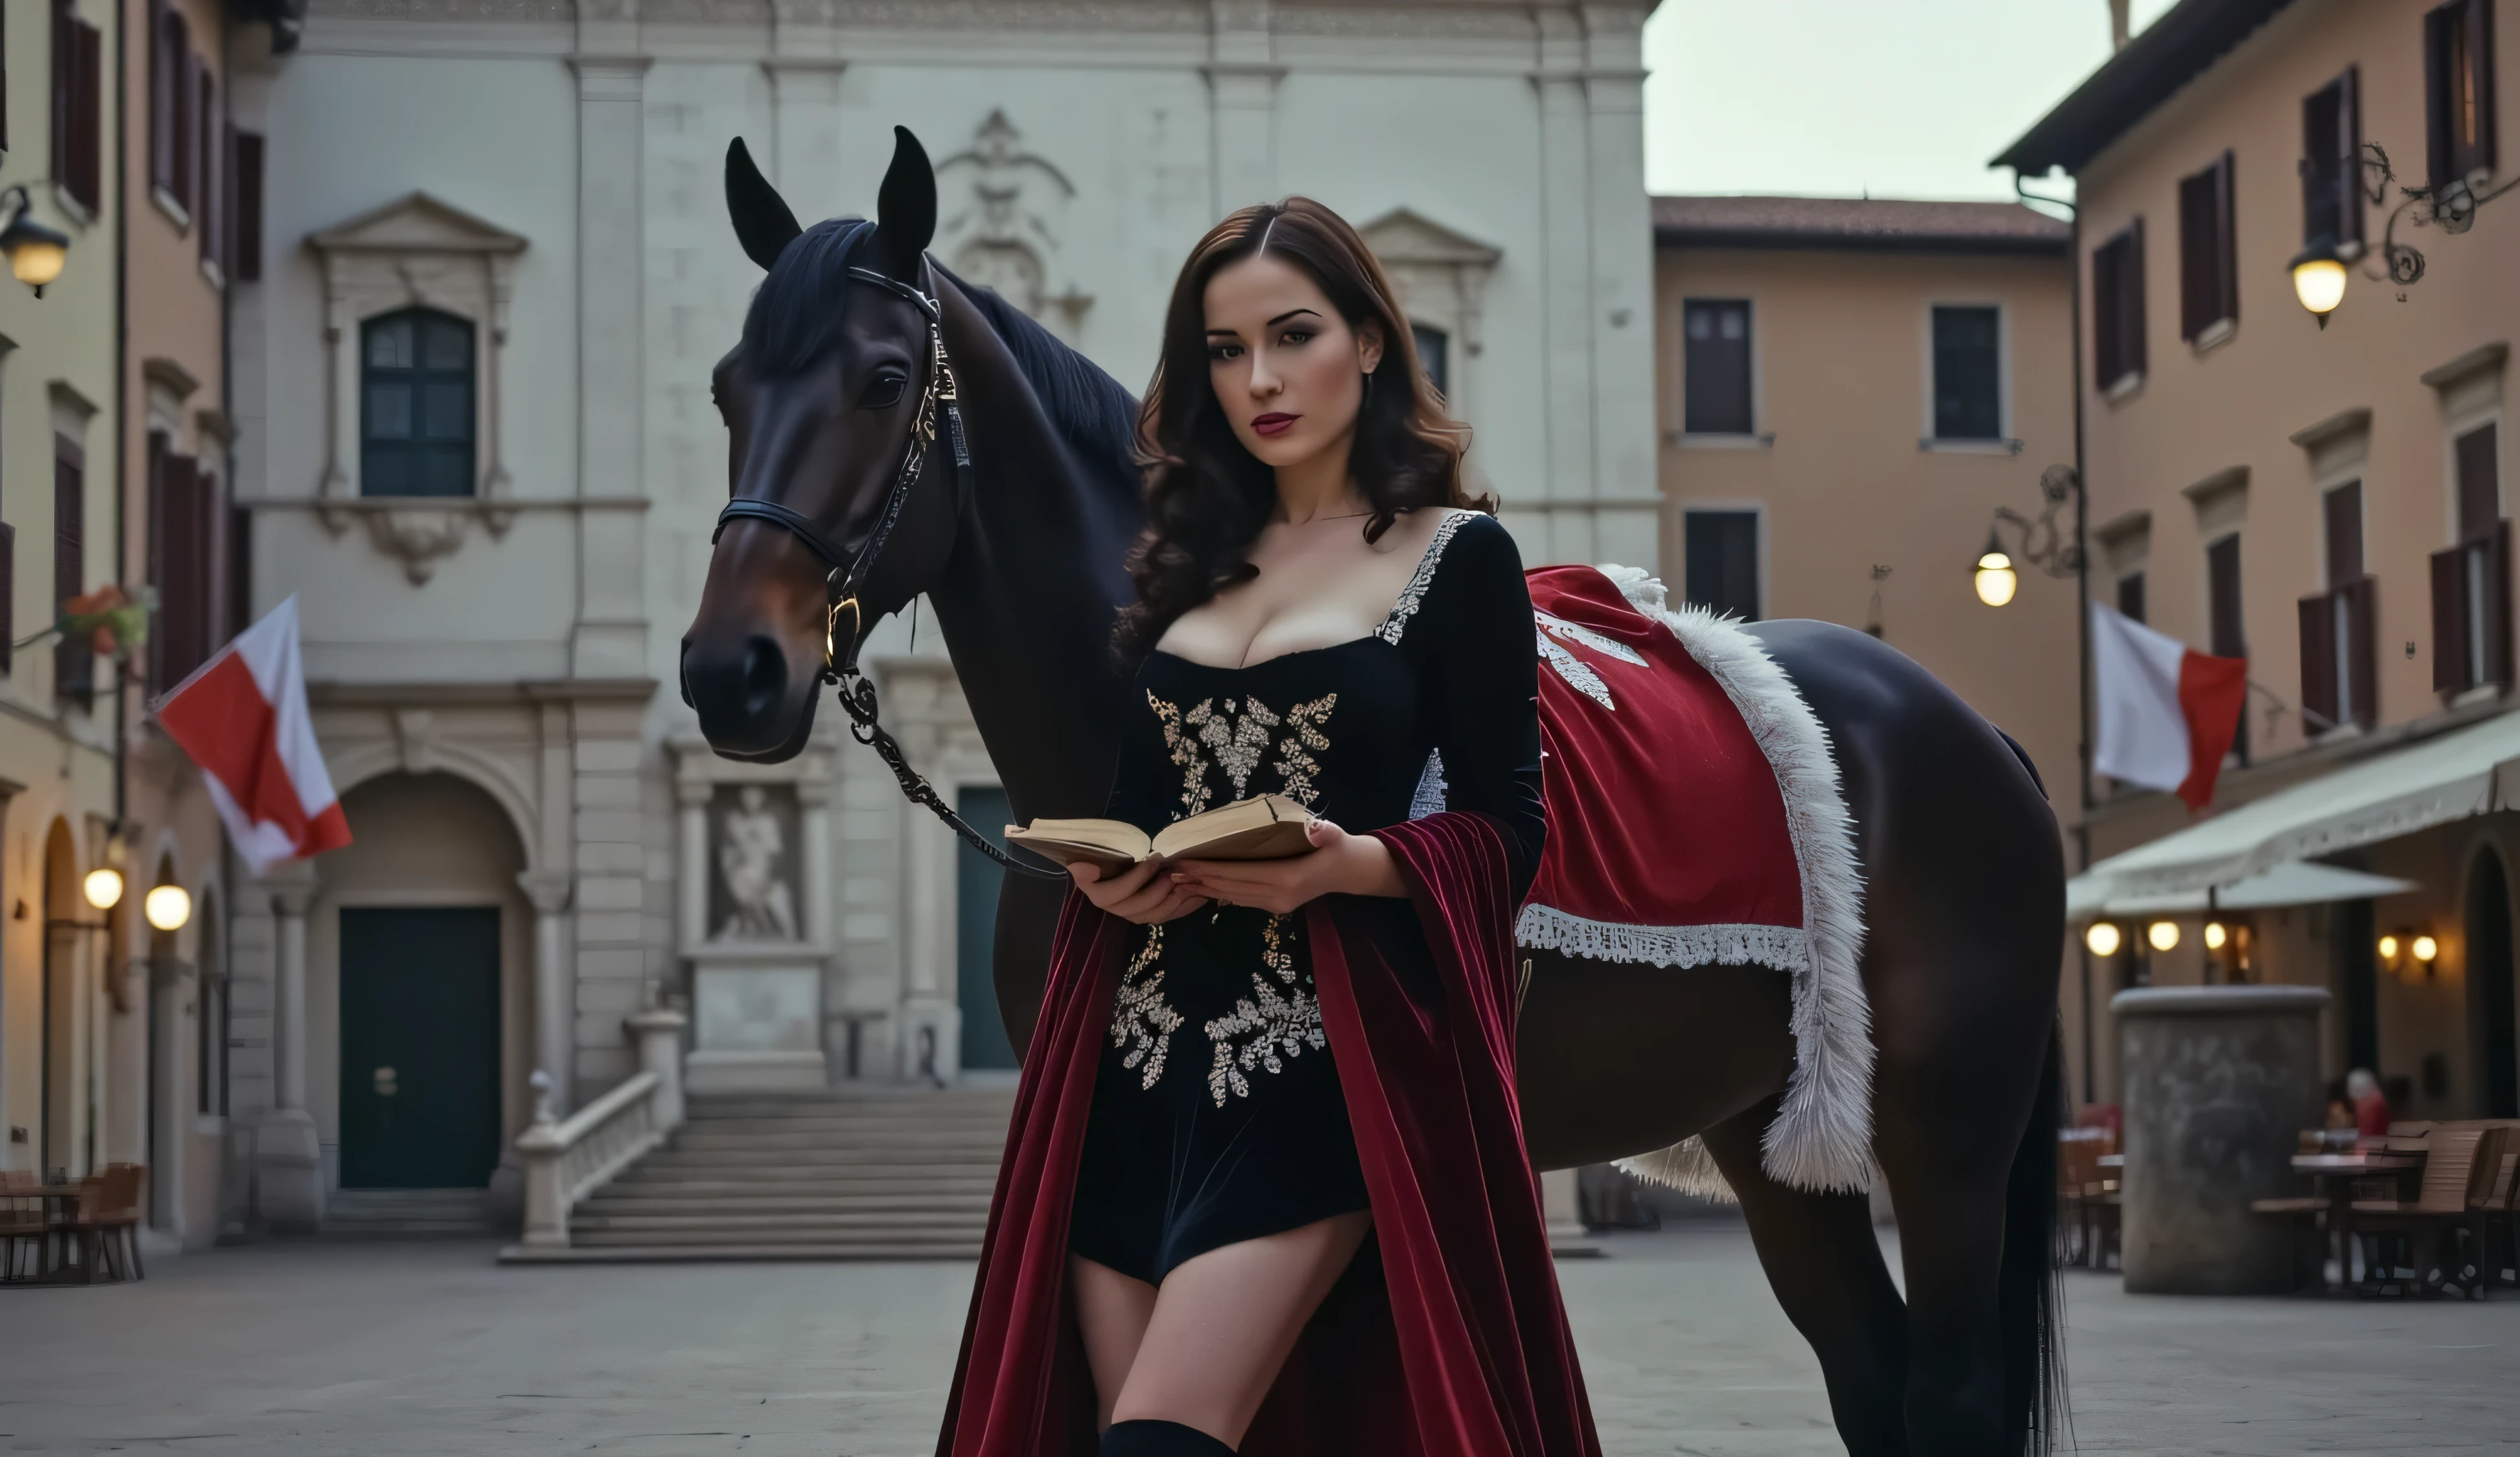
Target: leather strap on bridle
848, 571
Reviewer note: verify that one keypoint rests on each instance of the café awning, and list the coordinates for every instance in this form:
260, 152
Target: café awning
2297, 882
2474, 770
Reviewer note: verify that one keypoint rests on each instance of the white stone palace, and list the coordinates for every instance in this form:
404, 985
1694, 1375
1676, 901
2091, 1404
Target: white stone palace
475, 442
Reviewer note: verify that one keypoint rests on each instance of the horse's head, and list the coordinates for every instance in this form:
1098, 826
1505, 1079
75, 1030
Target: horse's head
821, 398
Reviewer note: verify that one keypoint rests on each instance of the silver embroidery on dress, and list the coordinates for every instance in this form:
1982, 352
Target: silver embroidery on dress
1239, 740
1265, 1023
1141, 1016
1186, 755
1296, 764
1431, 792
1577, 632
1415, 592
1577, 673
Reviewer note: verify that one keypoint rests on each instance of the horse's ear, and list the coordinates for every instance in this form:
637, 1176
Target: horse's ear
762, 221
904, 210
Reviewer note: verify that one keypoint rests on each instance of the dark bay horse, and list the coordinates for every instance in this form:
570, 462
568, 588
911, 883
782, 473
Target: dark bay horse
1021, 552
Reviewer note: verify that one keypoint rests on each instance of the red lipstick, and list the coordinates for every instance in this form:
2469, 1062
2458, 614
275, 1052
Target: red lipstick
1274, 424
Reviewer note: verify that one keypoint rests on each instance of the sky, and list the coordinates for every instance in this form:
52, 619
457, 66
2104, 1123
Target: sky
1907, 98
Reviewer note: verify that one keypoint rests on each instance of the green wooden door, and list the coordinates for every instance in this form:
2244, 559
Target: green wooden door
420, 1047
976, 879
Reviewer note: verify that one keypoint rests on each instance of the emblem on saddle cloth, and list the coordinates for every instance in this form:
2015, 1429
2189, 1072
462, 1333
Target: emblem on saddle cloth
1700, 823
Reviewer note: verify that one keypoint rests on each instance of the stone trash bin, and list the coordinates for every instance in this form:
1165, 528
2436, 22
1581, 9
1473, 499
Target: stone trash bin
2218, 1082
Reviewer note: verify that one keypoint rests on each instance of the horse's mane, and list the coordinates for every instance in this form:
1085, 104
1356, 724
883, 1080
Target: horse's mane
800, 305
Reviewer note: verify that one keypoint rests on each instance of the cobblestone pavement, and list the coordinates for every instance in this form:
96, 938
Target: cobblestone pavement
429, 1350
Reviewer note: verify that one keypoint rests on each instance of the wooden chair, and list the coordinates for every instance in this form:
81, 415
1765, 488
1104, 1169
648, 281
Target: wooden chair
2496, 1215
2437, 1214
22, 1222
109, 1222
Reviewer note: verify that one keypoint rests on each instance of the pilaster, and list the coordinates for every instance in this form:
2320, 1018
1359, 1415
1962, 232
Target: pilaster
804, 70
288, 1151
1243, 77
1622, 301
555, 1032
1566, 293
610, 637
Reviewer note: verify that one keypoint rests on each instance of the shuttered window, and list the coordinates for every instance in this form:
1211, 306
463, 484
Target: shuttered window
2340, 626
2332, 162
8, 596
1715, 366
182, 517
2209, 271
208, 219
1434, 355
74, 661
417, 405
2471, 581
2225, 637
2458, 89
78, 106
2130, 596
1723, 551
244, 205
1968, 374
2117, 308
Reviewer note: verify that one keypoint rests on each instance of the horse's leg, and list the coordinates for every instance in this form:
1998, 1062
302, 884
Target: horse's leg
1027, 918
1824, 1264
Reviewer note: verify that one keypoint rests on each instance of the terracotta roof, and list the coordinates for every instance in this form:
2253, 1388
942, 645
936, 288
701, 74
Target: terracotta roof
1893, 225
2161, 60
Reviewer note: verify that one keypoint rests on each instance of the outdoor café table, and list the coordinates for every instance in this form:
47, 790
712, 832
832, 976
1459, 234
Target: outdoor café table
2111, 1161
60, 1208
2334, 1174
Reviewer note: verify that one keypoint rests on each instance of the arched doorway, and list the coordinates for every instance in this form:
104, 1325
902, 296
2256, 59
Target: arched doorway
419, 941
2490, 999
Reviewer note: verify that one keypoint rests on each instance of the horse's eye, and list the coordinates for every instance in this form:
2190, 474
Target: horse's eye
884, 392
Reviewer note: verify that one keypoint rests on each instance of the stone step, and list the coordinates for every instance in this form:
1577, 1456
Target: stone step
993, 1141
611, 1205
409, 1213
675, 1156
737, 1229
946, 1191
518, 1254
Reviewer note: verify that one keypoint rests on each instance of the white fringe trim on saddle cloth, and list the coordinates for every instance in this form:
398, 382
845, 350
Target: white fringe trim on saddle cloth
1821, 1139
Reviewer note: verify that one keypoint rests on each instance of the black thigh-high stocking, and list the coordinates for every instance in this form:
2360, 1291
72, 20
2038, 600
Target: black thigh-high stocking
1160, 1440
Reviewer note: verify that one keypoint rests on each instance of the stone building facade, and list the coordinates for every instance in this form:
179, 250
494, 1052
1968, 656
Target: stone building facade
510, 214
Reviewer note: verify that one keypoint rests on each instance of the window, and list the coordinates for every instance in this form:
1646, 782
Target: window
182, 511
8, 595
2130, 596
2458, 89
2472, 578
2332, 162
1433, 348
239, 565
171, 106
205, 150
78, 106
2339, 627
2222, 632
1723, 551
1968, 388
244, 205
74, 661
2209, 271
417, 429
2117, 310
1715, 364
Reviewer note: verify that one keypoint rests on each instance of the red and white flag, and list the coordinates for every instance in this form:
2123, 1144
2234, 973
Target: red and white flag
2163, 714
243, 718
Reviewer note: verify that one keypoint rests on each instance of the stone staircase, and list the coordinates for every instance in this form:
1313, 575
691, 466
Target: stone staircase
887, 1176
412, 1213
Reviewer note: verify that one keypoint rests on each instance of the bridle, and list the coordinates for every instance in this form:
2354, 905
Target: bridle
848, 571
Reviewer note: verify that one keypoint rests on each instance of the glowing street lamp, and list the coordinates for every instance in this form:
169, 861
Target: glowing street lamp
2318, 279
167, 907
1994, 575
2163, 935
36, 254
103, 887
2102, 939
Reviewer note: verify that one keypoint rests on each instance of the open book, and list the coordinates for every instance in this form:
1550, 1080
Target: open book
1264, 827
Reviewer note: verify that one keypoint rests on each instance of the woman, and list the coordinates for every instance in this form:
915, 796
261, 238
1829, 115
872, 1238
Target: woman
1265, 1188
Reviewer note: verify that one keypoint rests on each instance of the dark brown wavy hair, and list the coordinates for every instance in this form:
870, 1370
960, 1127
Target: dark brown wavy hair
1206, 496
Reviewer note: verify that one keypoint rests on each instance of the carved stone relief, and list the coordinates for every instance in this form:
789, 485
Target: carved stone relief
1004, 215
753, 842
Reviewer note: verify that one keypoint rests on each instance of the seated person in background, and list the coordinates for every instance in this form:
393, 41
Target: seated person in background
2371, 1107
2340, 1105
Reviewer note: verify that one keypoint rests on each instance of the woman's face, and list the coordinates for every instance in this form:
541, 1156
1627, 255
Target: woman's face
1288, 372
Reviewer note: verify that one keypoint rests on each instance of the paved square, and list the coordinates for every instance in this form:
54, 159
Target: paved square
431, 1350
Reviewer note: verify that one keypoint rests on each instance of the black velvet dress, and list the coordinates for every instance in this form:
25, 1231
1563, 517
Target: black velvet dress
1217, 1115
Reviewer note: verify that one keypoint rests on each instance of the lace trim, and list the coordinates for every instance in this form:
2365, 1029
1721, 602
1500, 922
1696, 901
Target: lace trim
1141, 1015
1415, 593
1547, 928
1432, 791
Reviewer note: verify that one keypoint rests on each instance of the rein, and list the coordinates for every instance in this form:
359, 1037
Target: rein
848, 571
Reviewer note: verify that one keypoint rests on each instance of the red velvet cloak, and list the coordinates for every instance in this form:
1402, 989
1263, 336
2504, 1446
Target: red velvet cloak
1460, 1348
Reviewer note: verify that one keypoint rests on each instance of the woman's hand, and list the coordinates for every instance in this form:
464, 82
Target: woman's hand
1340, 863
1137, 894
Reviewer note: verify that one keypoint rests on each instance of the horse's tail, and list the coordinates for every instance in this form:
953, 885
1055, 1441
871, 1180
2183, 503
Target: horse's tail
2029, 1300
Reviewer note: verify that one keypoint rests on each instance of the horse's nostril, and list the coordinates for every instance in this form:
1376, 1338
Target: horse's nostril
765, 675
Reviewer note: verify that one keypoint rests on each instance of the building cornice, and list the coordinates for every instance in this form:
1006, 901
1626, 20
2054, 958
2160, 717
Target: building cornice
336, 693
2468, 366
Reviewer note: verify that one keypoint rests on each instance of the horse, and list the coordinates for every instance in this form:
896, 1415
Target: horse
1015, 526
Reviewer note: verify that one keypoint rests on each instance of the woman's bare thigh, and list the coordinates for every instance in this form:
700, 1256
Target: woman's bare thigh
1224, 1323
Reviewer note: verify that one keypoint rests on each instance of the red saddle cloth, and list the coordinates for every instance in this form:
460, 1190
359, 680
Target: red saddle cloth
1668, 839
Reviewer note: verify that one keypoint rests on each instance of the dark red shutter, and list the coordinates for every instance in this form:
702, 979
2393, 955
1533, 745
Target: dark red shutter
2198, 273
62, 96
2226, 238
246, 214
2343, 510
208, 219
73, 663
2441, 90
240, 570
2480, 488
2317, 663
2479, 152
2450, 620
2104, 315
8, 595
86, 180
163, 87
2348, 145
189, 138
2498, 607
2227, 639
161, 517
2363, 648
2131, 303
